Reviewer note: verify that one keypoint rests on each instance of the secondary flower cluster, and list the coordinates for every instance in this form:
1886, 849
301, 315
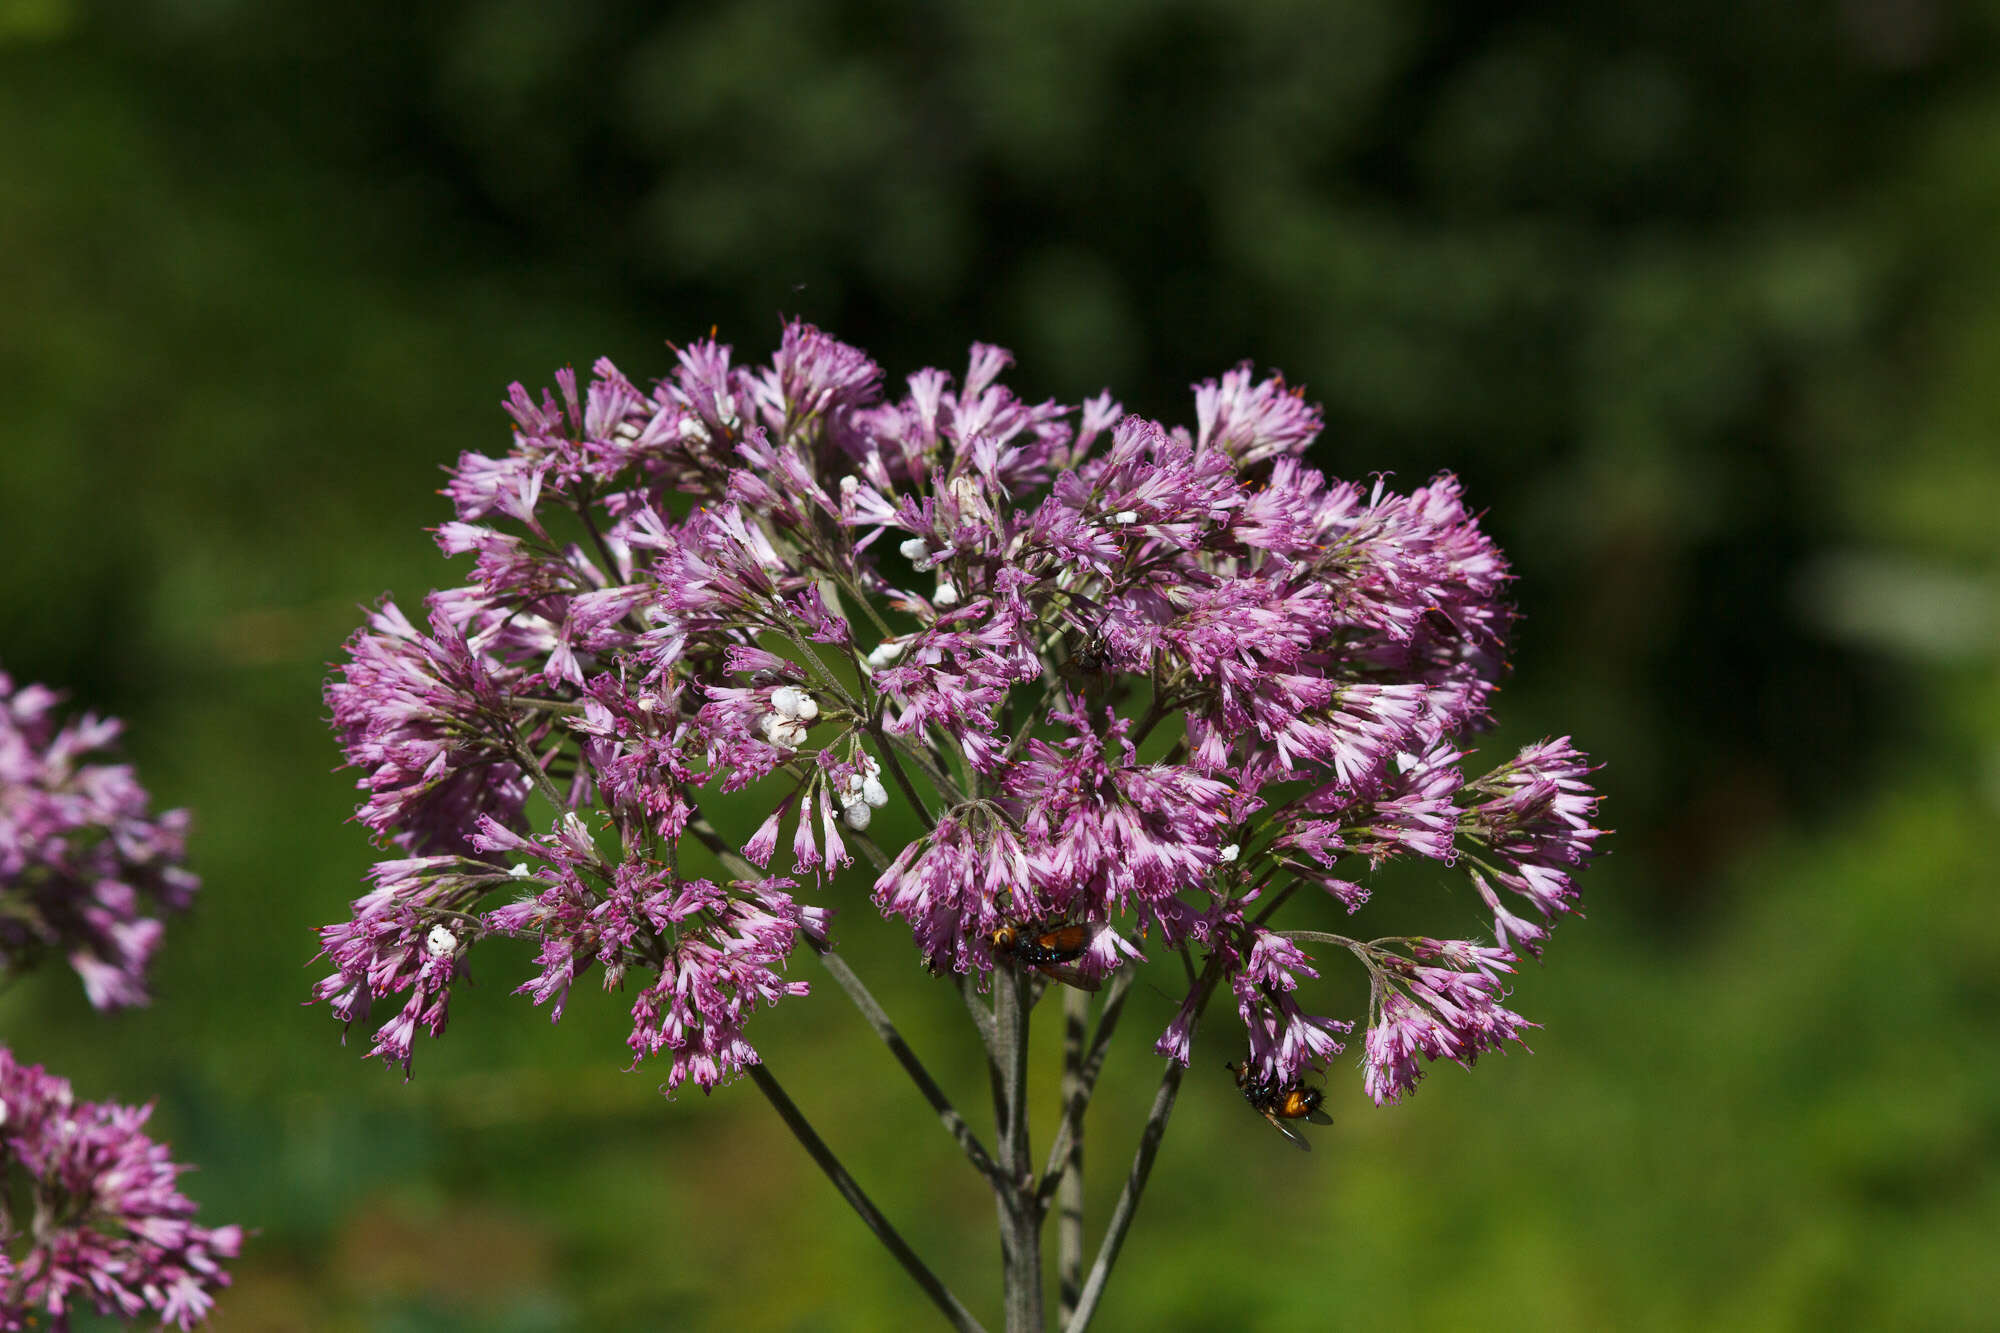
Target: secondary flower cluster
1151, 680
82, 864
90, 1217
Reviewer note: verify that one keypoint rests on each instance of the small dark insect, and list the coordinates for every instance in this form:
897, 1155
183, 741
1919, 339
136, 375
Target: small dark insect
1282, 1102
1051, 948
1088, 657
1086, 668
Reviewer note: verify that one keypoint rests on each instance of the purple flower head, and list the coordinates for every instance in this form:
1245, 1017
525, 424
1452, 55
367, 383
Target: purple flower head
1066, 675
85, 871
101, 1225
1436, 1012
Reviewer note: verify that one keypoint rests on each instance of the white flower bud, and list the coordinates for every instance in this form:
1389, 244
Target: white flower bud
519, 870
785, 700
886, 652
1125, 516
1229, 854
856, 816
946, 595
440, 941
849, 484
914, 549
808, 708
874, 793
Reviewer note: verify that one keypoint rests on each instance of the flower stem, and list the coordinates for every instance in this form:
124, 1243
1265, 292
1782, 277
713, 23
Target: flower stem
815, 1146
878, 1018
1069, 1193
902, 778
1020, 1219
1074, 1102
1127, 1206
872, 1011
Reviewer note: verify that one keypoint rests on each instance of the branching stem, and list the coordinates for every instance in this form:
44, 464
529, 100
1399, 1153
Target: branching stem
1155, 1129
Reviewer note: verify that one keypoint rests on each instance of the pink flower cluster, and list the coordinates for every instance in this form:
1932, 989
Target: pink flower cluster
1147, 678
90, 1217
83, 866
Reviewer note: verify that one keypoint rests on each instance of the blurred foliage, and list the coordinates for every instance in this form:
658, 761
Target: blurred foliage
1701, 300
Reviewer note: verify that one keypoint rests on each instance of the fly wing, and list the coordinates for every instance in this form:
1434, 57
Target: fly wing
1319, 1117
1289, 1132
1067, 974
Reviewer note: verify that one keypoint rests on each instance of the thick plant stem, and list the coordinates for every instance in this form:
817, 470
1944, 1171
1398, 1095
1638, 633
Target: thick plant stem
795, 1120
1020, 1217
1069, 1194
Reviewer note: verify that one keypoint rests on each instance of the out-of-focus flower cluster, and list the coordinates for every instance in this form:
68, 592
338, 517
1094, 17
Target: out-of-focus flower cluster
83, 866
1153, 680
90, 1217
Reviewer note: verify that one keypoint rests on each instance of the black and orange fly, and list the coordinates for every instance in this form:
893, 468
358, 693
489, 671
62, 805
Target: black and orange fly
1051, 948
1281, 1103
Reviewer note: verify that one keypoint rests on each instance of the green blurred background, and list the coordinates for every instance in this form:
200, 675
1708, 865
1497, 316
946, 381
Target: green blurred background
1702, 299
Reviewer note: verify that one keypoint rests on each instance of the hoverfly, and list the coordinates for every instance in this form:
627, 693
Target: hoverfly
1049, 947
1282, 1102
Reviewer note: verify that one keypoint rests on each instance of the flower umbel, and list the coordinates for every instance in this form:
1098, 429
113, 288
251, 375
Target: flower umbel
1142, 680
85, 870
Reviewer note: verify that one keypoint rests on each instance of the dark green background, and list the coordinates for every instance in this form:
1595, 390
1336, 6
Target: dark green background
1701, 299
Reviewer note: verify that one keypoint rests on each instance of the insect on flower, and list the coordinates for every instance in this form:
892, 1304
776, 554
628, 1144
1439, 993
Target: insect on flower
1049, 947
1282, 1102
